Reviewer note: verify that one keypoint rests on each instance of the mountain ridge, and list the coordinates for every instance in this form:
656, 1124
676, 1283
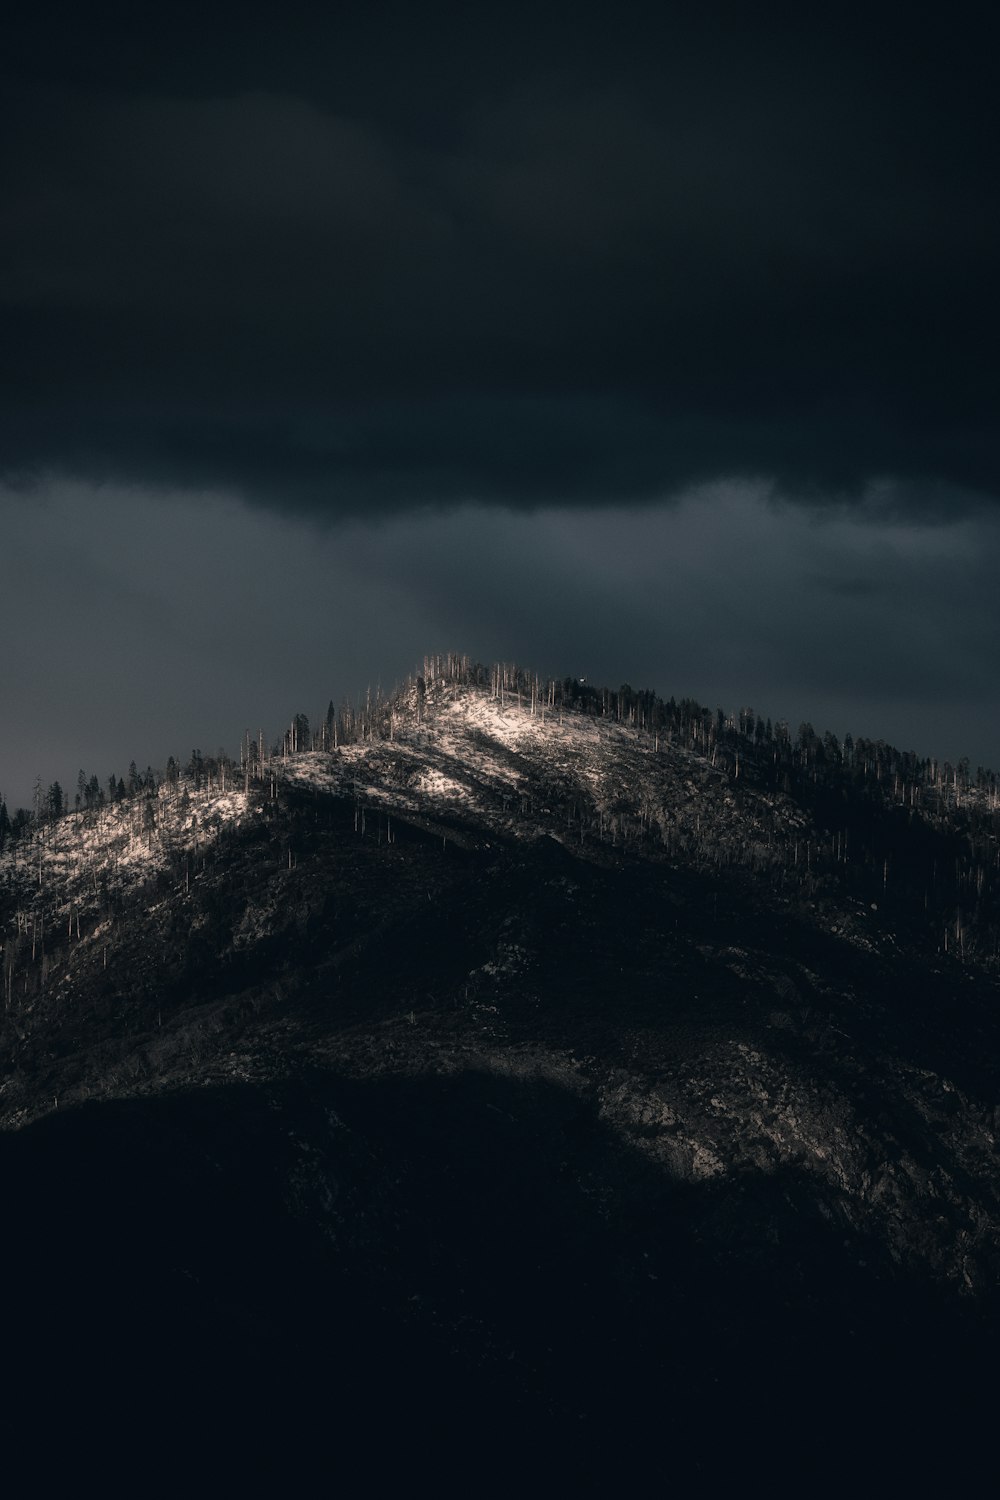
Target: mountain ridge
558, 970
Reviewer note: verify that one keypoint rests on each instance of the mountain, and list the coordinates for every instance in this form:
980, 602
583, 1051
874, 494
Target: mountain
525, 1080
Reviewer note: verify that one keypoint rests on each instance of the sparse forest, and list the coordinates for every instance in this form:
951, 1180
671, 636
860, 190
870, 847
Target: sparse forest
573, 1044
815, 818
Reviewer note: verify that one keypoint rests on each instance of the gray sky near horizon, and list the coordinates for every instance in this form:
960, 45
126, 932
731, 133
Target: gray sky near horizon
656, 344
142, 624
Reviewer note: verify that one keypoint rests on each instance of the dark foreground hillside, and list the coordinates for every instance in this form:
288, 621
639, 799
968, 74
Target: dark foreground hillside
451, 1278
449, 1151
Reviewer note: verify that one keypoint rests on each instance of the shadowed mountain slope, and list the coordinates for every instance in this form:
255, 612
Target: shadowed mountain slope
509, 1080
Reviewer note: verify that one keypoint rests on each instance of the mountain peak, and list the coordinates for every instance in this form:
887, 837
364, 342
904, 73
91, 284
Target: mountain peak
501, 998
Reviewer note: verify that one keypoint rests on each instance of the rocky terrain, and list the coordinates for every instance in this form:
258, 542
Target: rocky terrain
512, 1090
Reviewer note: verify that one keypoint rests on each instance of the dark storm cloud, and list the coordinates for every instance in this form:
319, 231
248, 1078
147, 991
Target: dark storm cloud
539, 257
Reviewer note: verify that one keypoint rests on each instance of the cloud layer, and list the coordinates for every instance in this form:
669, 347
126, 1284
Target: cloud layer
535, 261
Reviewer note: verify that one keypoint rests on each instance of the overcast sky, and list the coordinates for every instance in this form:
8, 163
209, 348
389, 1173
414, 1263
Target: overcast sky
651, 343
